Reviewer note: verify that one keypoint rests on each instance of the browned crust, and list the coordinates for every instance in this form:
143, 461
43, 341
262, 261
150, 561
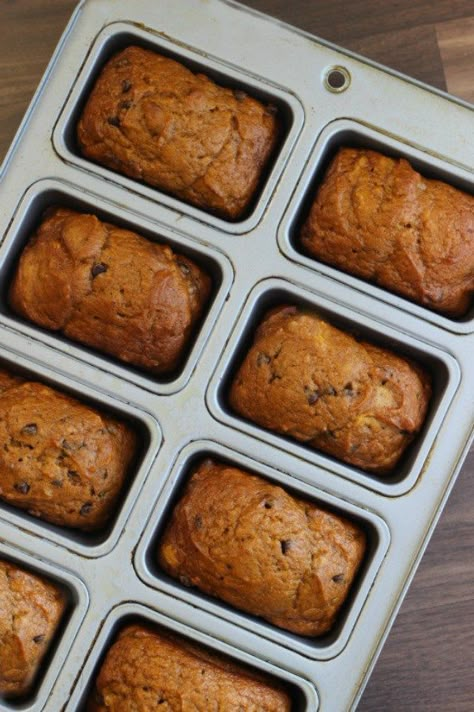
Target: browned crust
146, 669
60, 460
239, 538
377, 218
110, 289
152, 119
30, 612
317, 384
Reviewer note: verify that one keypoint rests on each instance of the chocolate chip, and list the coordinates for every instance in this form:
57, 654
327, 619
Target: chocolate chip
338, 578
125, 104
22, 487
198, 522
114, 121
30, 429
99, 268
285, 545
312, 395
74, 476
330, 391
86, 509
57, 483
185, 580
38, 639
126, 86
239, 94
267, 505
348, 389
263, 358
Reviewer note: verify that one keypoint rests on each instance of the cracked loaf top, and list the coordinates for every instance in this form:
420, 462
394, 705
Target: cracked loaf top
148, 669
310, 381
153, 119
111, 289
377, 218
60, 460
236, 536
30, 612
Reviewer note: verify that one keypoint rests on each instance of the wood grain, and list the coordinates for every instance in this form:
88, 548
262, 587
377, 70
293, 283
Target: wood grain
456, 45
426, 665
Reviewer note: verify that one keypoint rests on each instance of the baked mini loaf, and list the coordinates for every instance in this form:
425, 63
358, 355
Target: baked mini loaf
239, 538
151, 118
30, 613
308, 380
60, 460
111, 289
150, 670
377, 218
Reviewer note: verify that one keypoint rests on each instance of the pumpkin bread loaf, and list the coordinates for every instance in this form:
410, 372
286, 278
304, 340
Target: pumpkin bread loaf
250, 543
60, 460
152, 119
150, 670
110, 289
30, 613
377, 218
312, 382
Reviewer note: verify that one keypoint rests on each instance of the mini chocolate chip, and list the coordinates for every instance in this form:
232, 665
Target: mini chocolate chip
86, 509
74, 476
338, 578
99, 268
30, 429
285, 545
331, 391
22, 487
239, 94
38, 638
271, 109
57, 483
114, 121
348, 389
263, 358
125, 104
198, 522
126, 86
312, 395
268, 505
384, 382
185, 580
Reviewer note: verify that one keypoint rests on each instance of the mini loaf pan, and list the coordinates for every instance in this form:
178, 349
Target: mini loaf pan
249, 276
303, 695
345, 132
51, 193
77, 602
116, 37
149, 440
323, 647
441, 365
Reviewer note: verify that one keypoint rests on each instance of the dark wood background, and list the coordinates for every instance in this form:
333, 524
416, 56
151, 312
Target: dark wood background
427, 663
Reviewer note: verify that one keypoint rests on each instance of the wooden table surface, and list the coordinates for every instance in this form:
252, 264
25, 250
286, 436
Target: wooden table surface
427, 663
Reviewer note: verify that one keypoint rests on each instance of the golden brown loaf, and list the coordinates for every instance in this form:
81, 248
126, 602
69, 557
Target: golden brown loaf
313, 382
30, 612
379, 219
237, 537
151, 118
110, 289
60, 460
150, 670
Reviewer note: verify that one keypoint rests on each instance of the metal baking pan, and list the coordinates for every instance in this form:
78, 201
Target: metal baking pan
254, 263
